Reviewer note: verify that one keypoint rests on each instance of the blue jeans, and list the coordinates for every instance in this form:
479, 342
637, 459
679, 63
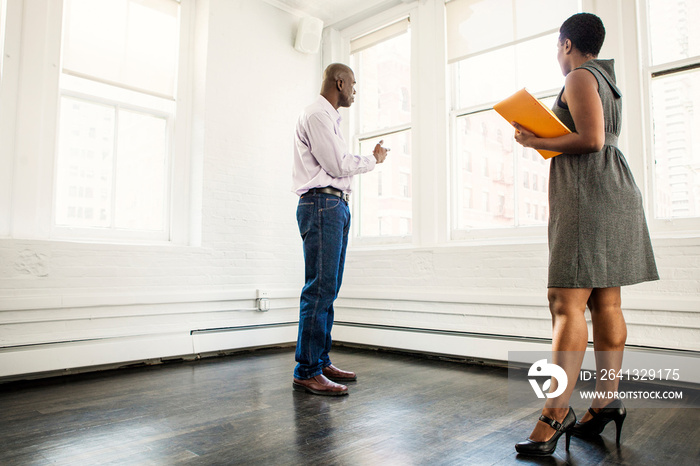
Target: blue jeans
324, 223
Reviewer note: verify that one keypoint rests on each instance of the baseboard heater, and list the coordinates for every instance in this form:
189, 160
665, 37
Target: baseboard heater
242, 327
500, 337
458, 333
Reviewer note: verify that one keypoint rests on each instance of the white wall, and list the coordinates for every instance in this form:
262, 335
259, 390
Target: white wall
487, 296
66, 304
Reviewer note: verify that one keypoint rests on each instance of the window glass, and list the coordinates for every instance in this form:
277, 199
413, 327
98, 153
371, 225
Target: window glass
142, 167
116, 113
489, 171
534, 16
478, 26
133, 43
475, 85
675, 98
492, 76
85, 164
110, 175
385, 192
496, 182
536, 64
382, 200
676, 106
383, 93
673, 30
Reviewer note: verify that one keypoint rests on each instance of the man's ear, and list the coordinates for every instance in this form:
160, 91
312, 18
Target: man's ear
339, 84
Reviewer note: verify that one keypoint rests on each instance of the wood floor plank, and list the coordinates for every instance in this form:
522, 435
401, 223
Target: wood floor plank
403, 410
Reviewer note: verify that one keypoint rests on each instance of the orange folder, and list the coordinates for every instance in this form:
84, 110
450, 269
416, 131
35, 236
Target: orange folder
524, 109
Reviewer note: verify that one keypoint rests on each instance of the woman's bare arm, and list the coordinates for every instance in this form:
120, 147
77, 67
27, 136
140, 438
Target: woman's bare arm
581, 95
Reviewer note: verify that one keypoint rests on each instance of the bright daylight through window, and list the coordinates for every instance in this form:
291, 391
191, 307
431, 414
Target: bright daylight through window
496, 47
117, 107
382, 64
674, 67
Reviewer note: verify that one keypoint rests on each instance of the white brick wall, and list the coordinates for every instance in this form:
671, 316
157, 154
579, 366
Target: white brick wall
501, 290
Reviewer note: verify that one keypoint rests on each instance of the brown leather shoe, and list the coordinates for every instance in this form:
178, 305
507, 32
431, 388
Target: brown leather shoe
338, 375
319, 385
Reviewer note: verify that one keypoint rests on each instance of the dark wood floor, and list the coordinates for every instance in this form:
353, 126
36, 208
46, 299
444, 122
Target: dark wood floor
404, 410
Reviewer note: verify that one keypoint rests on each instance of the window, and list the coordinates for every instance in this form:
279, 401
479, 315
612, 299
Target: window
117, 107
405, 184
3, 15
467, 193
496, 47
673, 71
381, 60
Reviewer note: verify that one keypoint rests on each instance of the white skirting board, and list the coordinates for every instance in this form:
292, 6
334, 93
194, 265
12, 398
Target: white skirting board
468, 346
505, 349
80, 356
67, 357
88, 353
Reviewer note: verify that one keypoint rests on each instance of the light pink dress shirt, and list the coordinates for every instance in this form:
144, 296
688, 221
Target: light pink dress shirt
321, 158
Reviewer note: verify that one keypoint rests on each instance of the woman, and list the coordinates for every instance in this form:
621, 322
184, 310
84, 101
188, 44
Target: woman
598, 237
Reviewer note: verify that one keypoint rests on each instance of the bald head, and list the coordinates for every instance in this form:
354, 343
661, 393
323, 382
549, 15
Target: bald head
338, 85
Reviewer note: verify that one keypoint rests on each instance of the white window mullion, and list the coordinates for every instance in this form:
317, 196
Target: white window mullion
115, 170
383, 132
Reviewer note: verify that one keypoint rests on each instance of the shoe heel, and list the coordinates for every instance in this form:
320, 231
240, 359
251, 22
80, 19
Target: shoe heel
618, 428
568, 439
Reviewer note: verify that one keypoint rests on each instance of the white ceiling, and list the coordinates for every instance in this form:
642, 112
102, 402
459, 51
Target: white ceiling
334, 11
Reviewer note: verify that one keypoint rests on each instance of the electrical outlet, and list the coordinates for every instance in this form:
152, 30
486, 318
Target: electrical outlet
263, 300
263, 304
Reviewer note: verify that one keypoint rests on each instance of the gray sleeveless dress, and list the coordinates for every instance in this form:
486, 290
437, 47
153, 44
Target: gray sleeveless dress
598, 235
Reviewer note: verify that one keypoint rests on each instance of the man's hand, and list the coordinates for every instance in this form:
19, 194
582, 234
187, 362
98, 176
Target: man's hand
380, 152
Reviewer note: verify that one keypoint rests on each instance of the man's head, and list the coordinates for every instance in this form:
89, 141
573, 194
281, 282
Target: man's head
338, 85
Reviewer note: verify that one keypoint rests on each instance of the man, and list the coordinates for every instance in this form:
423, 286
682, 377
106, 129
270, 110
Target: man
322, 177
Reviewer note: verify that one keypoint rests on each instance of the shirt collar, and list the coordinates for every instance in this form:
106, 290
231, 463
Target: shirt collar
329, 108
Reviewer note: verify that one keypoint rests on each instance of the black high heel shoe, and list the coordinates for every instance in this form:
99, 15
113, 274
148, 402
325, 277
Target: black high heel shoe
530, 447
614, 411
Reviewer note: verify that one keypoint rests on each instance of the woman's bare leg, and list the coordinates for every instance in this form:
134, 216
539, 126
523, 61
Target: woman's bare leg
609, 336
569, 341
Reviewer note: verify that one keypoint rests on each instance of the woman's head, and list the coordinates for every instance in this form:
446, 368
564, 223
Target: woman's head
585, 31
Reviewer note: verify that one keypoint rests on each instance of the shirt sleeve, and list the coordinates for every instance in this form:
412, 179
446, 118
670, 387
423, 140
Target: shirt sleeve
327, 148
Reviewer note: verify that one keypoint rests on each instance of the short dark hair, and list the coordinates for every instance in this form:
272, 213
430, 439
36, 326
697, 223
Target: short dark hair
585, 31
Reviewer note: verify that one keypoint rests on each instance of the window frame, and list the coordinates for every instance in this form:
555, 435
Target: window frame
33, 44
356, 30
61, 231
10, 32
521, 232
659, 227
3, 28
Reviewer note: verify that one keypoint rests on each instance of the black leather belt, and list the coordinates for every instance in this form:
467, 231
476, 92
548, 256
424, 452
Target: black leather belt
329, 190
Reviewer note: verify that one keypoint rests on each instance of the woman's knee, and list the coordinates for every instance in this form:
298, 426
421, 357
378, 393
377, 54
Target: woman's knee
565, 301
